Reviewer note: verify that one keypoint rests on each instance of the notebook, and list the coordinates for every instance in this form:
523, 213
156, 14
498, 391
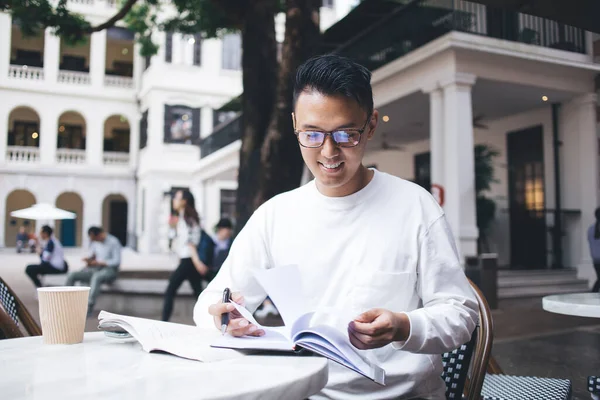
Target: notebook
302, 329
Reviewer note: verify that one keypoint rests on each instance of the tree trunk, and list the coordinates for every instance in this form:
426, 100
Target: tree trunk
259, 67
281, 164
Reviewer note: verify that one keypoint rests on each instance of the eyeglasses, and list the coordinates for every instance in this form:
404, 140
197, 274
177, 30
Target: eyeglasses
343, 137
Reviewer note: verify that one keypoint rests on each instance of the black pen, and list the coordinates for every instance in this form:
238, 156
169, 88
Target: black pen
225, 316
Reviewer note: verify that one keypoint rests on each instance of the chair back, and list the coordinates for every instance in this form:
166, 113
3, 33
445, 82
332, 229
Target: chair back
465, 368
16, 310
8, 328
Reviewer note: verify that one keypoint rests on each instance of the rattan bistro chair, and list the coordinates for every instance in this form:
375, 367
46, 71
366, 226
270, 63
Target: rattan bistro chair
8, 328
465, 367
16, 310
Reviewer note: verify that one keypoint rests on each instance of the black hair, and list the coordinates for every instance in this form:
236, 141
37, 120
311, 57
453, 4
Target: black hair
95, 230
190, 215
597, 227
334, 75
47, 230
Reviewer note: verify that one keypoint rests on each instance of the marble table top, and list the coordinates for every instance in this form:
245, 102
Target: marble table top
577, 304
106, 368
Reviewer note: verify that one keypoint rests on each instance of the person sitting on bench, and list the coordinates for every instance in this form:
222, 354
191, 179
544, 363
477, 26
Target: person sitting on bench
51, 256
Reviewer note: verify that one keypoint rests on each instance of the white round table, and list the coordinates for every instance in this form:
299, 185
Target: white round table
577, 304
110, 369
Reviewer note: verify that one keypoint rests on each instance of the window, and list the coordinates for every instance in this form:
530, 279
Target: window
71, 137
423, 170
197, 49
144, 129
169, 47
232, 51
228, 199
182, 124
24, 133
119, 141
220, 117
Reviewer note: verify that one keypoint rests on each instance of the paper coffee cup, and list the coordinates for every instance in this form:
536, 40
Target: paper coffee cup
63, 312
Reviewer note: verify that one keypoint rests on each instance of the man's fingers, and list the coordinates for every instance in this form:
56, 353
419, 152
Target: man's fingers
370, 329
241, 327
238, 298
356, 342
368, 316
220, 308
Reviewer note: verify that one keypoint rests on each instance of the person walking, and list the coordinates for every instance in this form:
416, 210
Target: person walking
594, 242
186, 244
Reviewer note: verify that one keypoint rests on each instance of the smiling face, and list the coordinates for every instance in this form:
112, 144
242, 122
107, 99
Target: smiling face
338, 171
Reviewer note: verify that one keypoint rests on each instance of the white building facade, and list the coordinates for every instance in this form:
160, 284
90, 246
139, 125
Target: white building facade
101, 131
447, 76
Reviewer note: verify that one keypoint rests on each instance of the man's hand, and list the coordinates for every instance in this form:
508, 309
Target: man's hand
238, 326
377, 328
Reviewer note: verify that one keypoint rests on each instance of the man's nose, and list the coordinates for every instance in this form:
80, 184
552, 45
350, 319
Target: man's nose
330, 148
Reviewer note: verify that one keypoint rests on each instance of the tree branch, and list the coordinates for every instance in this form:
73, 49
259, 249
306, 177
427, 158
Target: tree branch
112, 21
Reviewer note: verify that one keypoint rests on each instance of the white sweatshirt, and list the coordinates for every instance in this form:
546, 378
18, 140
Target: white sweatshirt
385, 246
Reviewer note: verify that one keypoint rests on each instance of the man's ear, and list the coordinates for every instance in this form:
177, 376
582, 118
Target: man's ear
372, 125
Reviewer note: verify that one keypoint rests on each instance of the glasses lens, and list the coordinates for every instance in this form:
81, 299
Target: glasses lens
346, 138
311, 139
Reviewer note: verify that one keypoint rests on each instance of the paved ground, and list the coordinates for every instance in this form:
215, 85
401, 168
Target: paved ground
528, 340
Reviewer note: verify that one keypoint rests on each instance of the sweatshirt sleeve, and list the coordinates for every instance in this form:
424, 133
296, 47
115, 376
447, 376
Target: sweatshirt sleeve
450, 310
248, 253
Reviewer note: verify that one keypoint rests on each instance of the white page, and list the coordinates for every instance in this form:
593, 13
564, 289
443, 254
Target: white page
185, 341
284, 286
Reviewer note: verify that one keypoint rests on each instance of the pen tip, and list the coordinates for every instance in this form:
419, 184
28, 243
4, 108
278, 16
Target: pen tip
223, 329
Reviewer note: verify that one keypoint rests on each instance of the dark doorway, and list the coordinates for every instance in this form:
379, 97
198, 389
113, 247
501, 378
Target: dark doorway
68, 232
423, 170
118, 220
526, 191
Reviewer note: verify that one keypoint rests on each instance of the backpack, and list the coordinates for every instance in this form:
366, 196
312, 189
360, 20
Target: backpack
206, 249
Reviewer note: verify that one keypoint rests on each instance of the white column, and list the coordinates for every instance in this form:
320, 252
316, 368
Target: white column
156, 123
4, 113
2, 218
436, 134
177, 49
98, 58
5, 43
206, 122
134, 140
92, 216
587, 163
94, 141
48, 135
459, 163
138, 66
51, 56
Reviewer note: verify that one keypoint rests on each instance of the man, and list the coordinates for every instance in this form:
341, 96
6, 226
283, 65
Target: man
223, 238
373, 247
51, 257
102, 264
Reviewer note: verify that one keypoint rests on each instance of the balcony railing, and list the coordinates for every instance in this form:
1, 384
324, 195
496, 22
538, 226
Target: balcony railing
25, 72
22, 154
86, 2
74, 77
70, 156
223, 135
115, 158
409, 27
125, 82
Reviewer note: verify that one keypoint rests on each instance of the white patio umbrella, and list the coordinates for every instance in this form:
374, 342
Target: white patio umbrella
42, 211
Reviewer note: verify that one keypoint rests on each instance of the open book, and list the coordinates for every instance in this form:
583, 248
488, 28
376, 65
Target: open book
184, 341
305, 329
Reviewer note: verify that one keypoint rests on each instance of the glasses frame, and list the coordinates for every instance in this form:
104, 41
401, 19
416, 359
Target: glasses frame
330, 133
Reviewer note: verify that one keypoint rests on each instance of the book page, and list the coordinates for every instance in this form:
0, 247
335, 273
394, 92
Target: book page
185, 341
284, 286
